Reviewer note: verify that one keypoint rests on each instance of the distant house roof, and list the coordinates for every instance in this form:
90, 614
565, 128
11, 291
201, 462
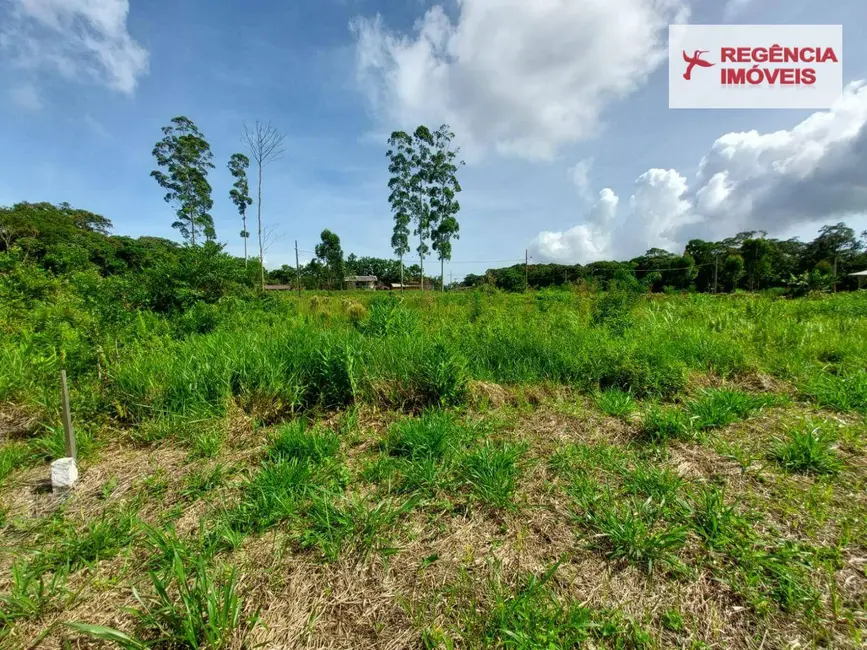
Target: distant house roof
278, 287
360, 278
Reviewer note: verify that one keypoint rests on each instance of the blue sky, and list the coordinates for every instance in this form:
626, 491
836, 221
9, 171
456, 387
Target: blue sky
560, 107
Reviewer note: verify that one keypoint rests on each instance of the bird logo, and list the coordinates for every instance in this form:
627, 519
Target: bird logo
695, 60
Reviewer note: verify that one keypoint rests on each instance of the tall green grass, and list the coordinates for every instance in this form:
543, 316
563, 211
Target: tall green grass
285, 355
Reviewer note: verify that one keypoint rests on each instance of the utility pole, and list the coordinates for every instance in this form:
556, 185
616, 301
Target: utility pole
835, 272
715, 271
297, 269
526, 269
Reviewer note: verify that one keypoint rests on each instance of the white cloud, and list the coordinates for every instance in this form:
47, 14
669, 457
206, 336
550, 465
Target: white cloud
26, 97
748, 181
524, 78
79, 39
585, 242
579, 173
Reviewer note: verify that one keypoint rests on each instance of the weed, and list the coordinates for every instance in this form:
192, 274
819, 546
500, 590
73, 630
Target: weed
660, 425
52, 444
720, 407
336, 523
201, 481
206, 442
718, 524
190, 608
659, 485
271, 496
296, 441
156, 485
31, 594
612, 310
389, 317
615, 402
434, 435
491, 470
632, 531
807, 449
101, 539
672, 620
844, 392
779, 575
108, 488
578, 457
12, 456
333, 379
533, 618
443, 377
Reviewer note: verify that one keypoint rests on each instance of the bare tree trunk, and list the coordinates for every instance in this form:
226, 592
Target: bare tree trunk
401, 272
443, 274
421, 256
246, 235
265, 144
193, 227
261, 247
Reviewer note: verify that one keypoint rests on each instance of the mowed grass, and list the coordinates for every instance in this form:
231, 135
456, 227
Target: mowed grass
458, 471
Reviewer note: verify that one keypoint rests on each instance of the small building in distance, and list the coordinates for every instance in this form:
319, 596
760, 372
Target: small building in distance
397, 286
360, 282
278, 287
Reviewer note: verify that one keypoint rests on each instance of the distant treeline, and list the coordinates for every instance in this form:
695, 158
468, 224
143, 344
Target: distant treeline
750, 261
162, 275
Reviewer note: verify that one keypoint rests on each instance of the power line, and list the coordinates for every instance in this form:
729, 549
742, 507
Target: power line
521, 259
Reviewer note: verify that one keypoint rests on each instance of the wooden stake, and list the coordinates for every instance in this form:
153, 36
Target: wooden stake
71, 451
297, 269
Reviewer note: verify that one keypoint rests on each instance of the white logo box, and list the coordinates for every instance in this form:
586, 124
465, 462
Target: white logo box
755, 66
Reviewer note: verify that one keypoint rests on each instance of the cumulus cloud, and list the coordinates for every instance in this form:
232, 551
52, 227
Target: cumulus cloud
585, 242
79, 39
747, 181
523, 78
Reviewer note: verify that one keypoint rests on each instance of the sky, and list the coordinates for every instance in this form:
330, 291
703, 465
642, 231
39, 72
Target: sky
560, 108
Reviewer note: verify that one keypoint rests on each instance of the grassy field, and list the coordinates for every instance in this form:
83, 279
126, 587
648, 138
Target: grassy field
468, 470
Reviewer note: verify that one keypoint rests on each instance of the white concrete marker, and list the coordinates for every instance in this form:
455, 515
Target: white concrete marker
64, 474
